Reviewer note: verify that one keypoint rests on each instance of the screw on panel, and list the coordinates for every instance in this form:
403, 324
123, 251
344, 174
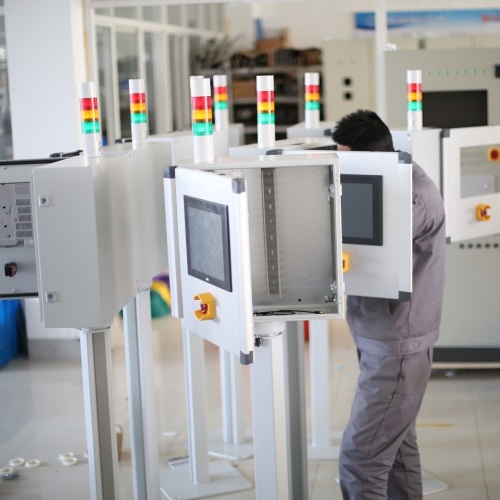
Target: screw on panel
50, 297
43, 201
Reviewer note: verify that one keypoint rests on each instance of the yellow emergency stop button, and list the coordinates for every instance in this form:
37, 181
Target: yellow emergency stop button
207, 306
482, 212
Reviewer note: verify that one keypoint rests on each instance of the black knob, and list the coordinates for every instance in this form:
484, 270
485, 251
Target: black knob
10, 269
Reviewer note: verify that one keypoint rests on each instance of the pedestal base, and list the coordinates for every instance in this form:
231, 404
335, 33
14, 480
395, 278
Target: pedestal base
176, 483
432, 484
217, 447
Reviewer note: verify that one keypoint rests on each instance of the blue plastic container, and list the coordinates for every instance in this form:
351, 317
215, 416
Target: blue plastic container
9, 319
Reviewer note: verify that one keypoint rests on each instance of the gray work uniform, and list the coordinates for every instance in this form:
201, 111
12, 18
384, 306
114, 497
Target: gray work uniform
379, 454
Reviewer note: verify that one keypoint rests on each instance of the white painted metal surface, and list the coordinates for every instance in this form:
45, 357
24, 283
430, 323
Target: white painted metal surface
425, 149
304, 142
382, 271
232, 328
461, 220
100, 232
300, 130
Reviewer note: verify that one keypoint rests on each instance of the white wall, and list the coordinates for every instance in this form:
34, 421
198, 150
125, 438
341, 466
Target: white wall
46, 57
310, 21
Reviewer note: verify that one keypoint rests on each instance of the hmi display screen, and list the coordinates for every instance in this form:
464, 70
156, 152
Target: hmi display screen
207, 242
362, 209
455, 108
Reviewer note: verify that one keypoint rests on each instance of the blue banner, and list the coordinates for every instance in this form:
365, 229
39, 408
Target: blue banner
436, 21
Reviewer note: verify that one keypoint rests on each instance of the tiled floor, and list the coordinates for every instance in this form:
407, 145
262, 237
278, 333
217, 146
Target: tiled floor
41, 416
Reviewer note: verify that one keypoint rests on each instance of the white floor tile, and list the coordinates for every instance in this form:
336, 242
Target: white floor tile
458, 427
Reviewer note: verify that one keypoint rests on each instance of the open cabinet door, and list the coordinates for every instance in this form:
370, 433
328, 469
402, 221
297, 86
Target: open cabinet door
471, 182
377, 223
210, 255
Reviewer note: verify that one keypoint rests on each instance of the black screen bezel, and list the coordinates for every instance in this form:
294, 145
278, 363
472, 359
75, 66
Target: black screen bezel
221, 211
376, 183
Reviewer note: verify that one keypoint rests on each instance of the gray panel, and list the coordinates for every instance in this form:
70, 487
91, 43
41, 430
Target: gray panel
471, 316
479, 174
305, 254
442, 70
308, 255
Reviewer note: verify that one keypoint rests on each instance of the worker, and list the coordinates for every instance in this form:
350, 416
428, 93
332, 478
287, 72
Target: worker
379, 456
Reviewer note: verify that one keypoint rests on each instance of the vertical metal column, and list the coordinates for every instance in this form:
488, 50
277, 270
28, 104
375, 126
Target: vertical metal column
379, 56
232, 399
194, 362
141, 394
269, 420
233, 444
321, 447
99, 413
296, 409
200, 478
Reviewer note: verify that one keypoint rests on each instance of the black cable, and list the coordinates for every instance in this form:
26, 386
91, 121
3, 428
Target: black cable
284, 312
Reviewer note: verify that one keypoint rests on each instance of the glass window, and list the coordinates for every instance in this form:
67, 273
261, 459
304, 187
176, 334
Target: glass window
118, 61
220, 21
206, 17
179, 76
195, 54
128, 12
5, 128
103, 40
153, 14
174, 15
149, 45
193, 16
127, 52
103, 12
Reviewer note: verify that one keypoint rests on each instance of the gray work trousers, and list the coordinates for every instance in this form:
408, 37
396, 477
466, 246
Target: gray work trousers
379, 457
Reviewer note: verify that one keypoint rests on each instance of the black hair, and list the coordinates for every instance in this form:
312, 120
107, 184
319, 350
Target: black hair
363, 130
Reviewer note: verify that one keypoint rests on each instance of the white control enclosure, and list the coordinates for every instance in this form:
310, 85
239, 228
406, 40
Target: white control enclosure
100, 233
300, 130
236, 133
294, 224
181, 142
18, 277
425, 149
376, 222
301, 143
471, 182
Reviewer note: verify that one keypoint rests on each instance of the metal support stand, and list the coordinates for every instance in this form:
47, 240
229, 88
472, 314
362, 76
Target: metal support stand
431, 484
141, 393
199, 478
234, 443
320, 446
296, 409
268, 413
99, 413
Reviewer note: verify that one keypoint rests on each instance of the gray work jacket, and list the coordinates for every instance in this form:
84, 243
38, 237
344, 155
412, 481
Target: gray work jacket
383, 326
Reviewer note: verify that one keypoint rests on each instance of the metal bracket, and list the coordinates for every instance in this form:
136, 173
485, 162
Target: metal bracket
271, 231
